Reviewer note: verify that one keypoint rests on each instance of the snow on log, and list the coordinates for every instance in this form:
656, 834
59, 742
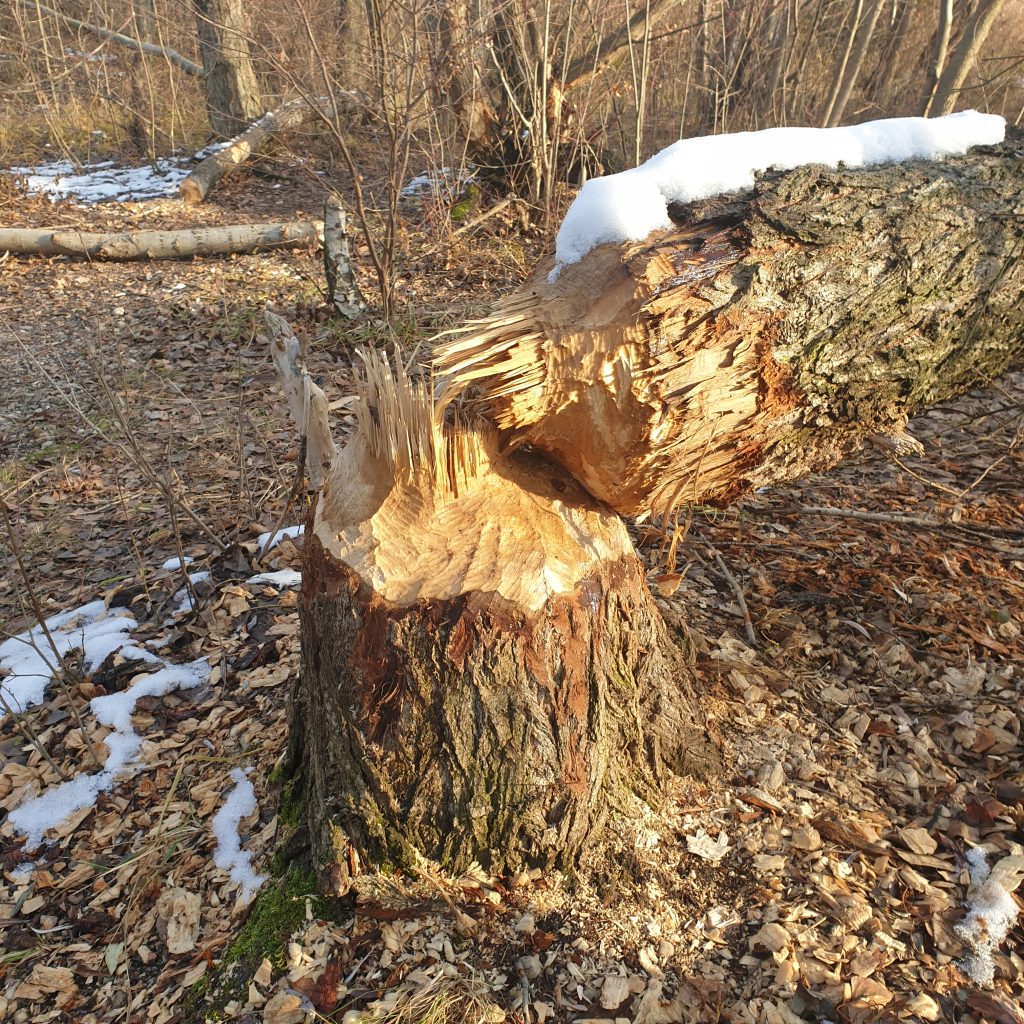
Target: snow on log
761, 335
485, 675
288, 117
158, 245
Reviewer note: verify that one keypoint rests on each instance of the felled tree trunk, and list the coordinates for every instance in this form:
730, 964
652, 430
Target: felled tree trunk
767, 336
485, 676
288, 117
159, 245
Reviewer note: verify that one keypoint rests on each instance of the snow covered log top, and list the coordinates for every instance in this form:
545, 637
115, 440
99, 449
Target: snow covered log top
758, 335
627, 207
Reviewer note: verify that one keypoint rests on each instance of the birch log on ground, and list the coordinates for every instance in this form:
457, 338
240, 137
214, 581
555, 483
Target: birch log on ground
159, 245
485, 673
288, 117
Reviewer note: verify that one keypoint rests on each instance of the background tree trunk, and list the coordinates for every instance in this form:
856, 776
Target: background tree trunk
233, 97
965, 56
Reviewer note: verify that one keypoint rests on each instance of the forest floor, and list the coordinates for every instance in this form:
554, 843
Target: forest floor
872, 731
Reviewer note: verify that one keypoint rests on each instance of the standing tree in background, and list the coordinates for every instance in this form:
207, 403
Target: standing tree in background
233, 97
949, 77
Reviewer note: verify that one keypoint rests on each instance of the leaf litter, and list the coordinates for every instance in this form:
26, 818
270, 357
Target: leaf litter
873, 742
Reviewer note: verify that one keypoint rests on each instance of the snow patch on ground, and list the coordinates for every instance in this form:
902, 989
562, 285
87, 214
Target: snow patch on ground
281, 578
991, 912
183, 597
32, 663
229, 855
443, 183
628, 206
35, 817
177, 563
107, 182
276, 536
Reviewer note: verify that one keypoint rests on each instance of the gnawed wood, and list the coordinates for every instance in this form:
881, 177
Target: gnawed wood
288, 117
485, 676
306, 401
159, 245
767, 336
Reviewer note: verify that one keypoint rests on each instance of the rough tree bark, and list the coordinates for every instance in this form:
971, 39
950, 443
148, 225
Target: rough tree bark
767, 336
232, 91
485, 675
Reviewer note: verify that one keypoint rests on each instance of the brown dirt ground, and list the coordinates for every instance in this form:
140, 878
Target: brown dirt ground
873, 733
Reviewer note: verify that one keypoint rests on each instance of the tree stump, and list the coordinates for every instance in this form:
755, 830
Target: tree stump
485, 676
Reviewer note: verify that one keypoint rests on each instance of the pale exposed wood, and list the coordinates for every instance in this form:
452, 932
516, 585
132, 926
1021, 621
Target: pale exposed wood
767, 337
288, 117
157, 245
306, 401
186, 65
501, 534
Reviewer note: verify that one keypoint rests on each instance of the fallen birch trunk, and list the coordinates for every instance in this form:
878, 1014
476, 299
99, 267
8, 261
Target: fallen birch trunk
159, 245
293, 114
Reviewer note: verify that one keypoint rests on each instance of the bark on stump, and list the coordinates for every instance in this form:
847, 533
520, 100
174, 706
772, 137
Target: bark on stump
485, 675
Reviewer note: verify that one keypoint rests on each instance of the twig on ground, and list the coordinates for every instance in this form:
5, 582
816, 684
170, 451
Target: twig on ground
901, 519
737, 590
